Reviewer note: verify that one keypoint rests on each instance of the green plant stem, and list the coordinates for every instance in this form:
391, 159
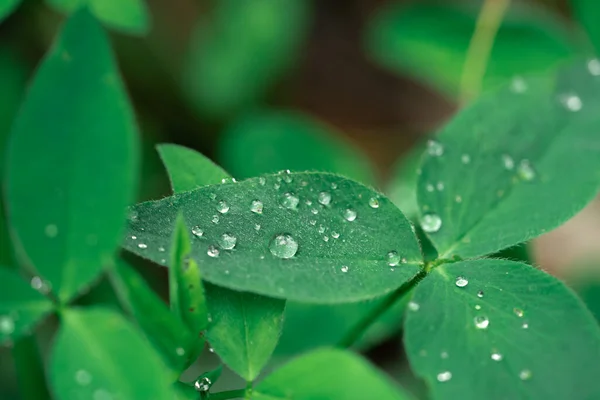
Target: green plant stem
228, 394
480, 47
361, 327
30, 370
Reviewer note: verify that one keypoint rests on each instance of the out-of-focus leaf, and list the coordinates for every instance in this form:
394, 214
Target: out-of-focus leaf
587, 12
402, 188
7, 7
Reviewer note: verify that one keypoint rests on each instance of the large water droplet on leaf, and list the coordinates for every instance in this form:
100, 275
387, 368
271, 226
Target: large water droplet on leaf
212, 251
222, 207
508, 162
349, 214
324, 198
496, 356
431, 223
227, 241
283, 246
197, 231
373, 202
256, 207
290, 201
525, 374
572, 102
461, 281
393, 258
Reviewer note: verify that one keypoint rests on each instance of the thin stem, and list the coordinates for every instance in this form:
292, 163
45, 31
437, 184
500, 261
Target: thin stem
228, 394
480, 47
361, 327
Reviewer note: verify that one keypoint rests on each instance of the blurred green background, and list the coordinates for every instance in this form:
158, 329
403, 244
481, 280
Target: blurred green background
347, 86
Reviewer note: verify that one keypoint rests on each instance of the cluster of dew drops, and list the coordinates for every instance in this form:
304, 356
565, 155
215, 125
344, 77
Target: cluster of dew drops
480, 322
432, 222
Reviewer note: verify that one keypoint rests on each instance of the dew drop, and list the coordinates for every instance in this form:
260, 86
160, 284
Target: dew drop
593, 66
215, 219
525, 374
276, 186
161, 249
222, 207
465, 159
102, 394
458, 199
321, 229
202, 384
518, 312
413, 306
227, 241
308, 203
133, 237
197, 231
324, 198
444, 354
434, 148
481, 322
440, 186
42, 286
257, 227
393, 258
256, 207
525, 325
526, 171
572, 102
142, 245
133, 216
51, 230
373, 202
334, 185
312, 222
83, 377
344, 268
429, 187
7, 324
518, 85
290, 201
212, 251
283, 246
477, 307
508, 162
335, 235
496, 356
349, 215
461, 281
480, 294
180, 351
444, 376
262, 181
326, 238
431, 223
314, 211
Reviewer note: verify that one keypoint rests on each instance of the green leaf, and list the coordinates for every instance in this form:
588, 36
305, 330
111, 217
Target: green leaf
487, 178
430, 41
29, 367
21, 307
587, 13
186, 291
167, 333
270, 141
239, 51
189, 169
7, 7
128, 16
98, 354
327, 374
72, 161
506, 330
402, 188
244, 329
287, 248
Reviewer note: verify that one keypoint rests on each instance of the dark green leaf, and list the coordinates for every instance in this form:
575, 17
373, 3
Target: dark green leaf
430, 42
189, 169
244, 329
21, 307
7, 7
99, 355
29, 366
487, 179
587, 12
490, 329
240, 50
67, 194
295, 247
129, 16
270, 141
327, 374
166, 332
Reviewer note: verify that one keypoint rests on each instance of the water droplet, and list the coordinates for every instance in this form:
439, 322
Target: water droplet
465, 158
314, 211
593, 66
393, 258
213, 196
276, 186
133, 237
161, 249
7, 324
434, 148
440, 186
572, 102
458, 199
197, 231
180, 351
429, 187
412, 306
349, 215
202, 384
326, 238
83, 377
335, 235
256, 207
215, 219
496, 356
290, 201
51, 230
322, 229
444, 376
526, 171
431, 223
525, 374
373, 202
102, 394
287, 178
257, 227
481, 322
227, 241
308, 203
324, 198
525, 325
344, 268
210, 349
212, 251
444, 354
283, 246
334, 185
480, 294
461, 281
518, 312
508, 162
142, 245
312, 222
518, 85
40, 285
477, 307
222, 207
262, 181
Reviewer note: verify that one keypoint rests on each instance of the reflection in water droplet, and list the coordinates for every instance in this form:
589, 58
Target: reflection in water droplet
197, 231
142, 245
7, 324
593, 66
525, 374
222, 207
572, 102
51, 230
83, 377
373, 202
324, 198
508, 162
412, 306
465, 158
290, 201
518, 85
314, 211
283, 246
227, 241
444, 376
431, 223
434, 148
461, 281
349, 215
203, 384
212, 251
393, 258
518, 312
344, 268
481, 322
256, 207
480, 294
526, 171
496, 356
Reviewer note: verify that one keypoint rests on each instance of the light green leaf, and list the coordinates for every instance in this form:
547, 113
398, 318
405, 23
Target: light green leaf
271, 140
99, 355
189, 169
167, 333
21, 307
327, 374
240, 50
128, 16
587, 13
7, 7
430, 41
67, 194
244, 329
487, 179
291, 246
489, 329
402, 188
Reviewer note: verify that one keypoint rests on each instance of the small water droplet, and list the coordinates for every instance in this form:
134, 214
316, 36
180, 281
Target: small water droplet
215, 219
508, 162
429, 187
572, 102
326, 238
444, 354
308, 203
180, 351
518, 312
161, 249
203, 384
526, 171
222, 207
435, 148
525, 325
393, 258
312, 222
257, 227
290, 201
335, 235
440, 186
314, 211
276, 186
83, 377
461, 281
283, 246
212, 251
322, 229
51, 230
42, 286
481, 322
287, 177
211, 350
334, 185
458, 199
477, 307
102, 394
518, 85
373, 202
227, 241
256, 207
465, 159
324, 198
496, 356
7, 324
213, 196
262, 181
525, 374
444, 376
344, 268
431, 223
480, 294
133, 237
350, 215
197, 231
413, 306
142, 245
593, 66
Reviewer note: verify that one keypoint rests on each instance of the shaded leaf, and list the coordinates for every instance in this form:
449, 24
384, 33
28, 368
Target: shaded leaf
7, 7
402, 188
587, 13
